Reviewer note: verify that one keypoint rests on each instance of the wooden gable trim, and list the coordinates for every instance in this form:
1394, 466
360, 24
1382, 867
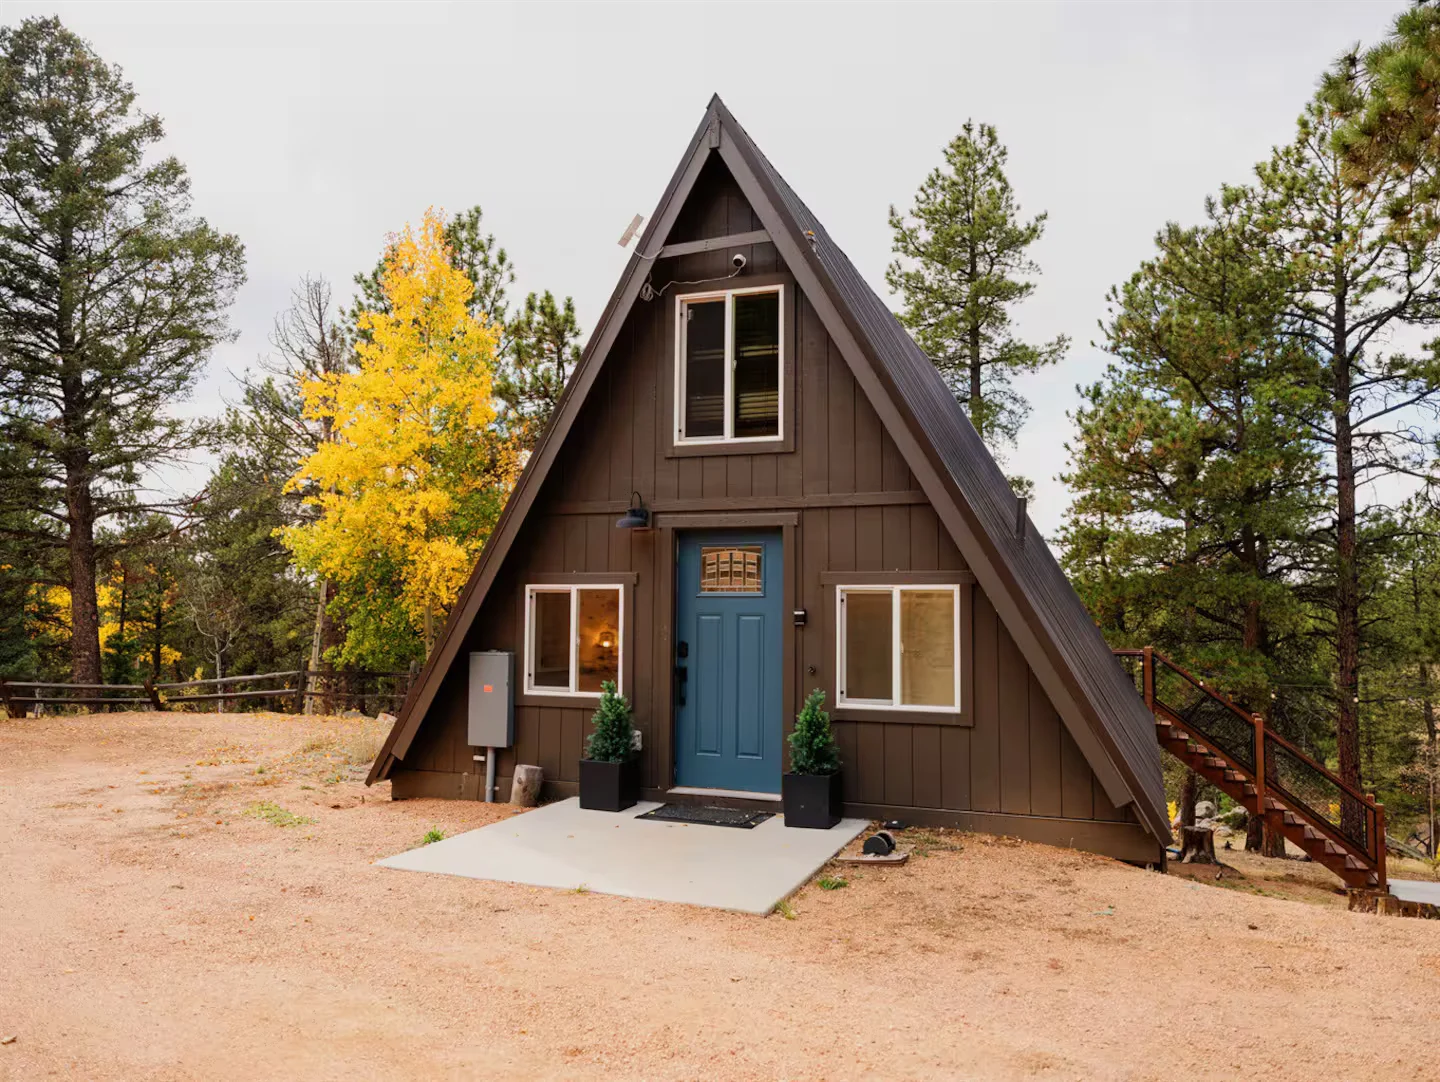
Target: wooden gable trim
422, 694
711, 244
934, 479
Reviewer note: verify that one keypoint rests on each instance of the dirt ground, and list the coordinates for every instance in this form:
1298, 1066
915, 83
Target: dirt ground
194, 897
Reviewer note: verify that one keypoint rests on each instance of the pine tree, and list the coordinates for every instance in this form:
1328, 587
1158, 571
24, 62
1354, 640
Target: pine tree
1354, 281
544, 350
962, 268
112, 295
1390, 99
1196, 477
812, 744
613, 737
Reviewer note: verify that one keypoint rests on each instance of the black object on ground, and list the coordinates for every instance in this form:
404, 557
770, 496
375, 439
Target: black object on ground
715, 817
880, 844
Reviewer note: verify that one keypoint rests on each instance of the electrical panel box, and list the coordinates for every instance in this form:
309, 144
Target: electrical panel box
492, 700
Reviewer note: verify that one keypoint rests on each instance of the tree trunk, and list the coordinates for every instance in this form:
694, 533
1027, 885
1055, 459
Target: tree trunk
1347, 578
1197, 845
84, 606
1189, 793
156, 654
220, 704
1431, 762
525, 786
120, 667
317, 651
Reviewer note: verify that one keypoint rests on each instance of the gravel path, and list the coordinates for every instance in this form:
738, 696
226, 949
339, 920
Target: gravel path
193, 897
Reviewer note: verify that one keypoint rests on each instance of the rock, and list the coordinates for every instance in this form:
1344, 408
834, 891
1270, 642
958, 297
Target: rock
1204, 809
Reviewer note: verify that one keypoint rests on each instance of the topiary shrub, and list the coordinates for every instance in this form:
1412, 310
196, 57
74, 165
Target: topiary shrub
812, 744
613, 739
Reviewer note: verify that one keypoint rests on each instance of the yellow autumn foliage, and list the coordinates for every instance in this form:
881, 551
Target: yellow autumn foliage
408, 489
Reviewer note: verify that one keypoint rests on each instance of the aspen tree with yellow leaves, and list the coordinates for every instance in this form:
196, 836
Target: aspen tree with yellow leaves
407, 491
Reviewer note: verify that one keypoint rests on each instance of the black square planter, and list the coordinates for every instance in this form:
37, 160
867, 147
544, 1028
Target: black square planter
811, 800
609, 787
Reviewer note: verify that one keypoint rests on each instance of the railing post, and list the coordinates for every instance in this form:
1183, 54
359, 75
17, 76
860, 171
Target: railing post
1147, 677
153, 694
1259, 720
1378, 841
300, 689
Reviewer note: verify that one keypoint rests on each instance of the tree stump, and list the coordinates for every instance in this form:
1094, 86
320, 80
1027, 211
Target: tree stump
1197, 845
525, 786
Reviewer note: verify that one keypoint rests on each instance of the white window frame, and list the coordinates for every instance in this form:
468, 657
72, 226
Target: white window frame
573, 589
727, 436
896, 646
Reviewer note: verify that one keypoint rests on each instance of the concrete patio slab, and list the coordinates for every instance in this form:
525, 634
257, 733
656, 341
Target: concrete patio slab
561, 845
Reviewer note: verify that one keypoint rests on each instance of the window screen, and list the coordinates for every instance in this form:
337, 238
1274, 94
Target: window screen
757, 365
705, 369
550, 639
927, 647
898, 646
868, 645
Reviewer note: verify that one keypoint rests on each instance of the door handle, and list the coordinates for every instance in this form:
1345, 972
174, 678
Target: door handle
682, 676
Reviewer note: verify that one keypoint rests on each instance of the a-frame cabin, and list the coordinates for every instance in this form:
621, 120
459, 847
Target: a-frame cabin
822, 514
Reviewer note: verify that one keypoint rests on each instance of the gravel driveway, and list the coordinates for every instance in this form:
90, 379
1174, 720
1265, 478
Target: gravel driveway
193, 896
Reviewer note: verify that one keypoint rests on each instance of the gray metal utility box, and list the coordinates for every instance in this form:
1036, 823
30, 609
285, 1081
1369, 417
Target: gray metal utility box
492, 699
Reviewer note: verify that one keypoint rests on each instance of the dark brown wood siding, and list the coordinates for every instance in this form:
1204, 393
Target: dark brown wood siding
856, 509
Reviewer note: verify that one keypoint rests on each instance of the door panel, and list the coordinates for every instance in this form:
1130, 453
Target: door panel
708, 683
729, 618
750, 654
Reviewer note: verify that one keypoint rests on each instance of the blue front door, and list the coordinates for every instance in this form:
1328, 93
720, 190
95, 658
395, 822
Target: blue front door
728, 654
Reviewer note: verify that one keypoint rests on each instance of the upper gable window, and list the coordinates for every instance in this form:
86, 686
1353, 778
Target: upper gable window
729, 366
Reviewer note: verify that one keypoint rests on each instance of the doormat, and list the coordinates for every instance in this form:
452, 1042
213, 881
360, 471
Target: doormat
715, 817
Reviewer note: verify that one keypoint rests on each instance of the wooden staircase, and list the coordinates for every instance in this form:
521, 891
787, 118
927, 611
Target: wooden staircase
1332, 821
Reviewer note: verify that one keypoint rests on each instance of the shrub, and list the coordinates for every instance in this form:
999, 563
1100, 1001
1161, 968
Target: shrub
812, 744
613, 740
434, 834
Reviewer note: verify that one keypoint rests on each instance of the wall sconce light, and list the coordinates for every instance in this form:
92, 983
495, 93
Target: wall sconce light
636, 517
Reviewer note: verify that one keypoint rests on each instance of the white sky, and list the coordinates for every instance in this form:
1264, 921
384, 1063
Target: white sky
311, 131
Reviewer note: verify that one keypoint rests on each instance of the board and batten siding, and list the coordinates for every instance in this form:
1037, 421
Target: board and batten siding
855, 506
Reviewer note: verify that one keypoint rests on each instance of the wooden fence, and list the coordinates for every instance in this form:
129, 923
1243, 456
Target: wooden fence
332, 691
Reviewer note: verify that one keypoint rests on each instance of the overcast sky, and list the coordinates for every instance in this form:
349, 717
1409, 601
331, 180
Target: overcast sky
312, 131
